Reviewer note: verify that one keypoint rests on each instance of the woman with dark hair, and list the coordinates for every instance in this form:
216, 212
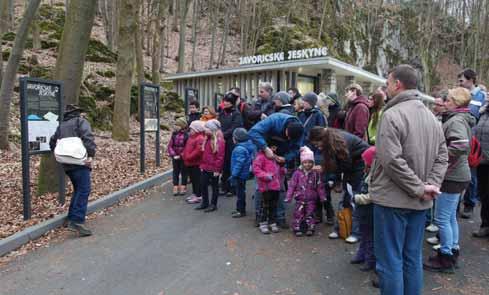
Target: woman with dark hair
375, 114
341, 156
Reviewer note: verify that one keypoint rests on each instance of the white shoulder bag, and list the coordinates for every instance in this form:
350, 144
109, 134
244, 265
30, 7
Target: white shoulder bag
70, 150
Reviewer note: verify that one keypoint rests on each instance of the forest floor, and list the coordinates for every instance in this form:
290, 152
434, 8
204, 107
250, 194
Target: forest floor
116, 166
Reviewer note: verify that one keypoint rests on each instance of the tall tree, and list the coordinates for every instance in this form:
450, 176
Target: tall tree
184, 4
158, 35
125, 67
213, 21
73, 47
8, 81
4, 26
225, 32
195, 20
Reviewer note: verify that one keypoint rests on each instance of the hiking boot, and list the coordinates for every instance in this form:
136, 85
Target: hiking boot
175, 190
264, 228
211, 208
468, 212
274, 228
237, 214
481, 233
455, 255
375, 282
79, 228
441, 262
433, 241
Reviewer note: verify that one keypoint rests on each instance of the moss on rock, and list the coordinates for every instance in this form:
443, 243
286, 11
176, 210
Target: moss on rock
5, 55
52, 13
98, 52
106, 74
104, 93
10, 36
38, 71
170, 101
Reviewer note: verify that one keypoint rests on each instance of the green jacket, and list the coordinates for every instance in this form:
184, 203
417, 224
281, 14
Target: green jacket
372, 128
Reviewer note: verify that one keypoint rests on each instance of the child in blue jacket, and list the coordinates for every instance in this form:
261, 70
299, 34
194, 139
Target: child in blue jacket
241, 158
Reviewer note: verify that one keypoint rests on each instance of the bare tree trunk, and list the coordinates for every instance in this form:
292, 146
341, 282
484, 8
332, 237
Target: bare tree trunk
125, 67
8, 81
138, 42
213, 22
176, 12
11, 14
115, 23
36, 35
181, 43
195, 20
163, 43
4, 26
325, 5
107, 9
225, 33
69, 69
158, 38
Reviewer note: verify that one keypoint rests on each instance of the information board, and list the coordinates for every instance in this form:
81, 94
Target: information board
151, 98
149, 115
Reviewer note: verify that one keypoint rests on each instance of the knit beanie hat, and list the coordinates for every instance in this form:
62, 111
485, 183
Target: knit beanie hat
306, 154
334, 98
181, 122
197, 126
240, 135
230, 97
310, 98
213, 125
283, 96
368, 155
295, 130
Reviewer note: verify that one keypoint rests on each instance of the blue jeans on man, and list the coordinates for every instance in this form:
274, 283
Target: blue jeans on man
471, 197
398, 244
80, 178
446, 220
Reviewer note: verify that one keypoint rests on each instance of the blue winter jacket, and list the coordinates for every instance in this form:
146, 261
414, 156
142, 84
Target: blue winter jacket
243, 154
274, 126
478, 99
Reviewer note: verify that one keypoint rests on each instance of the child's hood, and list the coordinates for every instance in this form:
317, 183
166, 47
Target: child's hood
249, 146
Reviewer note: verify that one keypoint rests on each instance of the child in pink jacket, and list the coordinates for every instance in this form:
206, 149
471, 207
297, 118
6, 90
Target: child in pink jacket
211, 165
268, 175
306, 188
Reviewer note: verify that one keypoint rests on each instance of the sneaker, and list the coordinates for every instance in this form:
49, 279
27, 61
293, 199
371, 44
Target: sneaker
229, 194
298, 233
436, 247
192, 196
237, 214
333, 235
351, 240
432, 228
175, 190
467, 213
211, 208
264, 228
79, 228
433, 241
481, 233
274, 228
201, 207
195, 200
309, 233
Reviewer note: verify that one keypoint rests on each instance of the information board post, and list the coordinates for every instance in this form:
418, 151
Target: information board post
149, 117
41, 106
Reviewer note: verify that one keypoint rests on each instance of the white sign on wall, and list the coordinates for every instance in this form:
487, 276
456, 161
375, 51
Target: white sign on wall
281, 56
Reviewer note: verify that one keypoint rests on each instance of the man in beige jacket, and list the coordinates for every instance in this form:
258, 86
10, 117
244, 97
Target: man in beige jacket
410, 164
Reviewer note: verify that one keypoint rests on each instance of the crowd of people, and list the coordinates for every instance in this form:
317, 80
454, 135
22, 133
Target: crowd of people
386, 156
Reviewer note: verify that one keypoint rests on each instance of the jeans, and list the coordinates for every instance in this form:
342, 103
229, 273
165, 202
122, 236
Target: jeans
241, 196
80, 178
471, 196
398, 244
179, 172
207, 178
226, 173
194, 173
446, 220
483, 179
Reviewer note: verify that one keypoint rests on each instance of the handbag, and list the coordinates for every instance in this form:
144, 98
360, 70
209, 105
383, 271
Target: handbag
70, 150
344, 222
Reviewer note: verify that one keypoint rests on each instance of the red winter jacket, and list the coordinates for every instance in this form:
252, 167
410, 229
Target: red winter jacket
192, 153
213, 162
268, 173
357, 117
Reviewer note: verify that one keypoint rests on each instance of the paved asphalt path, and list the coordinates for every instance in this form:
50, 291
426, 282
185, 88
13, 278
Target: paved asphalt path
162, 246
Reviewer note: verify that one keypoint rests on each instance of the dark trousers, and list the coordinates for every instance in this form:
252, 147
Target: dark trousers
269, 205
80, 178
483, 185
179, 172
366, 248
226, 170
194, 173
206, 179
241, 196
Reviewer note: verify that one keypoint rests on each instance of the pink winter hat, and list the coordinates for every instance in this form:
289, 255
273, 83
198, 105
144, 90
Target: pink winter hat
368, 155
306, 154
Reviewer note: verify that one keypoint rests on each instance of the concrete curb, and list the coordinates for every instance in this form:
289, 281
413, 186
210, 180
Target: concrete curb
31, 233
